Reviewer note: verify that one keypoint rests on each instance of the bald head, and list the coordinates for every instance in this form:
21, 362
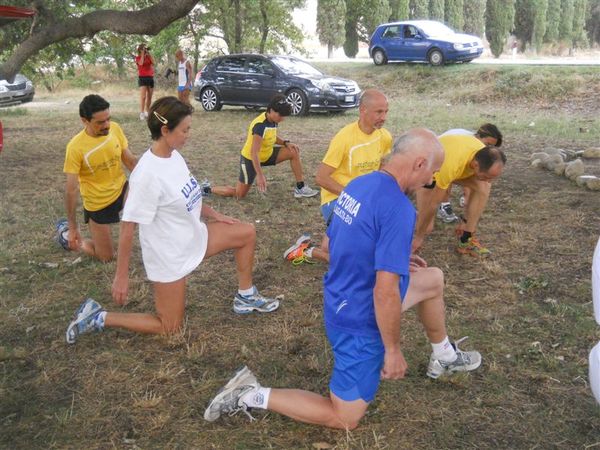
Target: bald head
372, 111
414, 158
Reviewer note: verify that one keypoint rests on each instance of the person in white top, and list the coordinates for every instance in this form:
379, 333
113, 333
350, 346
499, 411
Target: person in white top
166, 201
184, 77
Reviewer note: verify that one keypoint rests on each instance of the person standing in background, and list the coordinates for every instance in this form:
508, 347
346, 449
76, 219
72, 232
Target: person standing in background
184, 77
145, 66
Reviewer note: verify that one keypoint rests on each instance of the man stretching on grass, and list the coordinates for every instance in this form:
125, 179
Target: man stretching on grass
472, 164
372, 226
355, 150
93, 166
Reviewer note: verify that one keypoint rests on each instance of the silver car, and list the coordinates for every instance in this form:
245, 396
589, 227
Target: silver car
21, 90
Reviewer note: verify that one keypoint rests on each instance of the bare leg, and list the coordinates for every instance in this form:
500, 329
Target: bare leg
312, 408
169, 300
239, 191
322, 252
240, 237
426, 291
480, 192
149, 93
101, 244
285, 154
143, 93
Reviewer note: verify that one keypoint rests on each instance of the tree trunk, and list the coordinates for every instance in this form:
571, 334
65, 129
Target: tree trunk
329, 50
264, 26
237, 41
149, 20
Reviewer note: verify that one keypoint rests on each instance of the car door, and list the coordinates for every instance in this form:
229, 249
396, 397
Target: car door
229, 75
414, 44
391, 41
260, 80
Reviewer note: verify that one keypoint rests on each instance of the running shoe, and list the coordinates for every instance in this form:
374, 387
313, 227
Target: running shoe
305, 192
205, 188
85, 320
464, 362
62, 233
143, 116
245, 304
446, 214
228, 399
293, 252
472, 248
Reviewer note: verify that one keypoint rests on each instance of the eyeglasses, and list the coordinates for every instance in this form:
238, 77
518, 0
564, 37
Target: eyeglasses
160, 118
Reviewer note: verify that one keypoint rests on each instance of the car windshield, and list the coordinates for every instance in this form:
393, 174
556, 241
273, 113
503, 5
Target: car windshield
435, 29
294, 66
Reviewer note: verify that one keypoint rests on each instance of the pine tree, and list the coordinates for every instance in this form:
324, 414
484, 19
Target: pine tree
524, 15
539, 24
454, 14
474, 13
353, 11
331, 23
565, 29
499, 19
593, 21
553, 21
579, 33
372, 13
436, 9
400, 10
419, 9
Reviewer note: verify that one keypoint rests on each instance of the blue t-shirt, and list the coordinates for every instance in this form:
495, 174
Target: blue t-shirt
371, 230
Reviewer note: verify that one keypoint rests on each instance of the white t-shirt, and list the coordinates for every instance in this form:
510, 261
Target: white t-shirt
455, 131
596, 282
182, 75
165, 200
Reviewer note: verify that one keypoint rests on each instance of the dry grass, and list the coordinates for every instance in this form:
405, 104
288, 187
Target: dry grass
528, 310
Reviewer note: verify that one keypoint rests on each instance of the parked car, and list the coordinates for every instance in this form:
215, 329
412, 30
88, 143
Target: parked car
422, 40
251, 80
20, 90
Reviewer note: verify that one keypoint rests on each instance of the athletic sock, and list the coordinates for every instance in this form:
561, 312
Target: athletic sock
308, 252
300, 184
444, 204
257, 398
465, 236
246, 292
444, 351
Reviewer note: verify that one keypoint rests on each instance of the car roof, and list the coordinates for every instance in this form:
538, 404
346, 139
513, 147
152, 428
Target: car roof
417, 23
9, 14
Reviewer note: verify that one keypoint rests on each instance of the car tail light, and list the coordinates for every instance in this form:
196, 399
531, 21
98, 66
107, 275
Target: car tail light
199, 74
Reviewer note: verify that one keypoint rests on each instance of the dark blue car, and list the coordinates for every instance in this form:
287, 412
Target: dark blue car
422, 40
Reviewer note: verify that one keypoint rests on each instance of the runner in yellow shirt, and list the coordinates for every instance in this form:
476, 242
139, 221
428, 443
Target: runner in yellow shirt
357, 149
93, 163
472, 164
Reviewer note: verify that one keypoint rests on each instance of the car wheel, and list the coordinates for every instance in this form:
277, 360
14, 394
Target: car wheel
210, 100
435, 57
297, 99
379, 58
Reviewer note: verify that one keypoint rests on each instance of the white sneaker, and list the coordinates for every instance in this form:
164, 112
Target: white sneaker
462, 202
446, 214
464, 362
228, 398
306, 192
143, 116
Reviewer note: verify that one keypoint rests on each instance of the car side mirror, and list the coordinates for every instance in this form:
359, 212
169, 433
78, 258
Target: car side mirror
418, 36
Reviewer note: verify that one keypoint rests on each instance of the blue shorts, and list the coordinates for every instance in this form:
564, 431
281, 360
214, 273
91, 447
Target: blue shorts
182, 88
327, 211
357, 365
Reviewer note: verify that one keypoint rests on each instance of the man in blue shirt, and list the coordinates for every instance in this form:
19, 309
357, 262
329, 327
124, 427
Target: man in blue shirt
372, 280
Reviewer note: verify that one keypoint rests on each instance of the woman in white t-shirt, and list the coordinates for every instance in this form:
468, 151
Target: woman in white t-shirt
166, 201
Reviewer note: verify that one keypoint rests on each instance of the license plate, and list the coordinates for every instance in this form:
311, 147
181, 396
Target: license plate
349, 98
473, 50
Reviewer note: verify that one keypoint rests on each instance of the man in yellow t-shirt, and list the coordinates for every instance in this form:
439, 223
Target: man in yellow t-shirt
357, 149
472, 164
93, 164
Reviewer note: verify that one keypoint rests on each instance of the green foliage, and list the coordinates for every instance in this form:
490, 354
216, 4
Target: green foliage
553, 21
499, 19
565, 30
474, 14
372, 13
593, 21
539, 23
351, 41
330, 23
436, 9
454, 14
579, 34
400, 9
419, 9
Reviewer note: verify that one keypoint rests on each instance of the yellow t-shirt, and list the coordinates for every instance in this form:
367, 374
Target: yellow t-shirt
353, 153
265, 129
459, 152
97, 161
